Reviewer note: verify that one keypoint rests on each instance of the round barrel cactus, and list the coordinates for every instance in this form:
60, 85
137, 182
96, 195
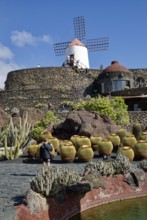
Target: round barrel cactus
55, 142
33, 150
143, 136
73, 139
64, 142
67, 152
140, 149
115, 139
129, 140
82, 140
128, 152
46, 134
121, 133
95, 139
85, 153
105, 147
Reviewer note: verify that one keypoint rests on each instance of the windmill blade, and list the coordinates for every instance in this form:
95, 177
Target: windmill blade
60, 48
98, 44
79, 27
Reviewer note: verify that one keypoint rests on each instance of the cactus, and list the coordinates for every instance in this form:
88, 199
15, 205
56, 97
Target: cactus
16, 137
129, 140
105, 147
121, 133
143, 165
73, 139
121, 164
137, 130
140, 149
55, 142
33, 150
53, 181
82, 140
115, 139
85, 153
143, 136
46, 134
67, 152
95, 139
108, 168
128, 152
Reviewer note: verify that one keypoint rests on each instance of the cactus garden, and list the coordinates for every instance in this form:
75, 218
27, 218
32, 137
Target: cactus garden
84, 152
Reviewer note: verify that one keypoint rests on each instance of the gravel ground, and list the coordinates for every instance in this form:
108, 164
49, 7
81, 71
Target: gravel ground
14, 182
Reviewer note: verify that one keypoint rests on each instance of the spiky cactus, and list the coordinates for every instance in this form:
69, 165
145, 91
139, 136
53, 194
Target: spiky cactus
16, 137
140, 149
53, 181
143, 136
121, 133
67, 152
137, 130
128, 152
105, 147
55, 142
115, 139
85, 153
95, 139
82, 140
129, 140
73, 139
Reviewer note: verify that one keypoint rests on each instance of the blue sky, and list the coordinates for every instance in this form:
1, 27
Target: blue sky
29, 28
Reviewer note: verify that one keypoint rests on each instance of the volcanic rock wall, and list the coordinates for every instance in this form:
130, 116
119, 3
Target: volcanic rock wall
29, 87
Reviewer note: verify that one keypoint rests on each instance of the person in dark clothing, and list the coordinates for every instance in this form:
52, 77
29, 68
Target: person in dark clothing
45, 152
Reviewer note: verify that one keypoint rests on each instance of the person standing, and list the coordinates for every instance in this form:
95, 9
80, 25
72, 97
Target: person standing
45, 152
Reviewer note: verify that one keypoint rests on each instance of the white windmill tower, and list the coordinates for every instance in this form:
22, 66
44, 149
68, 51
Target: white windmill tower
76, 53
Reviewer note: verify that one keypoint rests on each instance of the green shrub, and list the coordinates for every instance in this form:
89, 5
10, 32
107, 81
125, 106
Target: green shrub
114, 108
41, 125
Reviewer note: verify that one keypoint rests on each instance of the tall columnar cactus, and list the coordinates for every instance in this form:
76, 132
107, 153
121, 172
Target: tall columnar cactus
137, 130
16, 137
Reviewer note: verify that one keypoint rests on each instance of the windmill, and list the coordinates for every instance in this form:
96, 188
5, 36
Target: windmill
76, 53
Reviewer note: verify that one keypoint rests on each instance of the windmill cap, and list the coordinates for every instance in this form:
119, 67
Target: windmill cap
76, 42
115, 67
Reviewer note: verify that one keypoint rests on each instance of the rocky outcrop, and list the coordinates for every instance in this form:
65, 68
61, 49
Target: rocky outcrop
87, 123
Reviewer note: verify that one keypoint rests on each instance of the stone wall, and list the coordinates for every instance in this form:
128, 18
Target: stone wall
138, 116
29, 87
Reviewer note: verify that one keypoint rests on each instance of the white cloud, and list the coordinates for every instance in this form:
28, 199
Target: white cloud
4, 69
5, 52
6, 63
22, 38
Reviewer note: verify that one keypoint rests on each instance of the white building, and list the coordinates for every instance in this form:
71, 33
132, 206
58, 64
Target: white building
77, 54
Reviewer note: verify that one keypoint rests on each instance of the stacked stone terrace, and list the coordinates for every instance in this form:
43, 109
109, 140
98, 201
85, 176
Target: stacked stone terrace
29, 87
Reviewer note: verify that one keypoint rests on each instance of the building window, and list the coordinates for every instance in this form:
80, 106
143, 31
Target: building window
120, 84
